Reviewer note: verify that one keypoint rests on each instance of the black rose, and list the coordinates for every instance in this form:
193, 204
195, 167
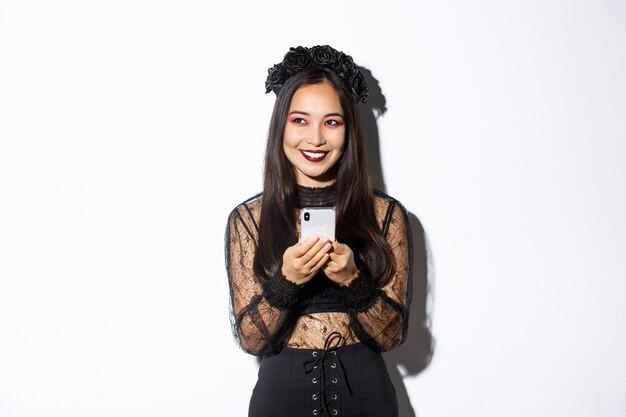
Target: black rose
359, 87
344, 67
325, 55
297, 59
275, 78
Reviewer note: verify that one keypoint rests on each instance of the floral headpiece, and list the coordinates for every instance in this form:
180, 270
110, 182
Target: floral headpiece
320, 56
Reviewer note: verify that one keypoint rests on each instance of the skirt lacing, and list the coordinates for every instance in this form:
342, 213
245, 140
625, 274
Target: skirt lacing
323, 367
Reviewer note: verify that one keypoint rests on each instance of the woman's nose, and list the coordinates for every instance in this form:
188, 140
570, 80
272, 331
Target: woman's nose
317, 137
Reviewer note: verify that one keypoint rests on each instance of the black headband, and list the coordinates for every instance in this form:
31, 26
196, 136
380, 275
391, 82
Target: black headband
320, 56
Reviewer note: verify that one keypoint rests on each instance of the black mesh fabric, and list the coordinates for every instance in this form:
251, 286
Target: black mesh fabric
266, 317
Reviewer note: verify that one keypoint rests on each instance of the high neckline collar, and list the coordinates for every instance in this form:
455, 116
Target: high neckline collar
315, 196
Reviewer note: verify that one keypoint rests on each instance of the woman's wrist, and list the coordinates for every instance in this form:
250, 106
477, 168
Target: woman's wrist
349, 277
360, 291
281, 292
289, 278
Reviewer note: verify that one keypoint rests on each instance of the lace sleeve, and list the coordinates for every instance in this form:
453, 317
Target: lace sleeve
259, 312
378, 315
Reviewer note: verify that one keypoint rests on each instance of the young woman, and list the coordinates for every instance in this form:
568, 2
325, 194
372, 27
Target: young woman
319, 312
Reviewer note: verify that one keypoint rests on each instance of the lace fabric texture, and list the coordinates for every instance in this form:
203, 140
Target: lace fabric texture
267, 316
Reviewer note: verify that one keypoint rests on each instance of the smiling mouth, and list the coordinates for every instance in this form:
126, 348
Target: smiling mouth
314, 156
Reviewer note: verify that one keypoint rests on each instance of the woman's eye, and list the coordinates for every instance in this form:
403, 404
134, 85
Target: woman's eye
299, 120
332, 122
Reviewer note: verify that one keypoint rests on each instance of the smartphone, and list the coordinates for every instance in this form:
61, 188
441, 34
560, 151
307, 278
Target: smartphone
317, 221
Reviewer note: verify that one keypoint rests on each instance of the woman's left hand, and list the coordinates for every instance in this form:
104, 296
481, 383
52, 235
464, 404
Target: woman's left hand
341, 268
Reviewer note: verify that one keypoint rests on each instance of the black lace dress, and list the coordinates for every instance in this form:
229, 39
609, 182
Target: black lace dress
319, 342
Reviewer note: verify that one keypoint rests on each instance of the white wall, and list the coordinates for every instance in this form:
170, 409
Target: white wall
129, 129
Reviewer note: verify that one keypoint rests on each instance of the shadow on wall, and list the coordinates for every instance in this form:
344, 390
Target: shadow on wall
376, 106
415, 354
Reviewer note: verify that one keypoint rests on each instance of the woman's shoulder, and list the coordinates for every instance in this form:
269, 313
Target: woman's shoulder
384, 200
250, 202
387, 207
247, 211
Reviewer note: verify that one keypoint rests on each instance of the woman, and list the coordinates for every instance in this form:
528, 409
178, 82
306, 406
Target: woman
319, 312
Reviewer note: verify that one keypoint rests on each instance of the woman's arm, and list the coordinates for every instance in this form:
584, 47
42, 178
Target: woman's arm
379, 314
259, 312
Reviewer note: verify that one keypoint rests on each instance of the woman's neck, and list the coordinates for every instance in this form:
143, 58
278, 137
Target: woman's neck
315, 196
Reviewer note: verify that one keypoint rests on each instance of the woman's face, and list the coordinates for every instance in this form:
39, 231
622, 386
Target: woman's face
315, 134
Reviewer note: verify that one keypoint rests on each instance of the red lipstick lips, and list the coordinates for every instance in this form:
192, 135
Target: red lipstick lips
314, 156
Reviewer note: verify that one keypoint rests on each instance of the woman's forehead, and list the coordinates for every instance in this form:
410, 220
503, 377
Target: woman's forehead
321, 97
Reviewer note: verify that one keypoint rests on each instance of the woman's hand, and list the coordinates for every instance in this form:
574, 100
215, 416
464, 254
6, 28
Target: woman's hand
341, 268
302, 260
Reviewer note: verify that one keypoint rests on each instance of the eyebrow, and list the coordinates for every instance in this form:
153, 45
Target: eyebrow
307, 114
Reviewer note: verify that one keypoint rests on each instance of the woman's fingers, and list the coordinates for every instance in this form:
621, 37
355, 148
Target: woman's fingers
340, 255
340, 248
306, 245
340, 267
322, 261
308, 249
318, 251
303, 260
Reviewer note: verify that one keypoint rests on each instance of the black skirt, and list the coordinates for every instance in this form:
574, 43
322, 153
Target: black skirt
350, 381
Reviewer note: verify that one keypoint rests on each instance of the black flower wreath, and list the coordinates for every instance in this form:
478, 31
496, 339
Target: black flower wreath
301, 58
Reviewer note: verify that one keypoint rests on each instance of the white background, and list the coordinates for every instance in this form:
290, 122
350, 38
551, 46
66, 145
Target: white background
129, 130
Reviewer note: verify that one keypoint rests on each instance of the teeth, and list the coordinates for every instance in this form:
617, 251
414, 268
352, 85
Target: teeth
313, 154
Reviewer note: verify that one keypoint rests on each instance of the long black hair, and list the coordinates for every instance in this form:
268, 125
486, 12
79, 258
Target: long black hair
354, 196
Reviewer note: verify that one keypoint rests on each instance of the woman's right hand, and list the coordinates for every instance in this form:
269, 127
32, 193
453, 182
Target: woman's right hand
302, 260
